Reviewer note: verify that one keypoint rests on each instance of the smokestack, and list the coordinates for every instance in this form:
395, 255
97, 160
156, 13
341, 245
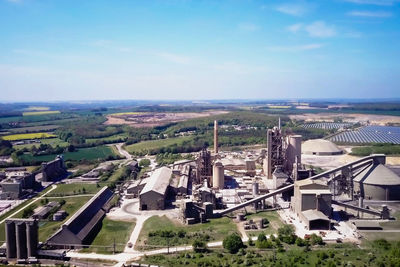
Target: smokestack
279, 123
215, 137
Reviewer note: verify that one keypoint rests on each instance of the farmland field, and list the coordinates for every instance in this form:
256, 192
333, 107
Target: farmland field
51, 141
33, 113
16, 137
33, 129
91, 153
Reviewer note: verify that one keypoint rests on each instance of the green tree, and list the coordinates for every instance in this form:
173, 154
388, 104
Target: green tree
232, 243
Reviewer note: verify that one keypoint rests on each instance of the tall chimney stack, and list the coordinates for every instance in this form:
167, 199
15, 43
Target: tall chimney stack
215, 137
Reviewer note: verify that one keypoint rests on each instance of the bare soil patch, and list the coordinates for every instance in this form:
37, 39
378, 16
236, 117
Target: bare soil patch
152, 119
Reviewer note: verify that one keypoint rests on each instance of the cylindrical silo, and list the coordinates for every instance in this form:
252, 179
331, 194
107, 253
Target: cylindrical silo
20, 229
11, 242
295, 142
32, 238
293, 151
218, 175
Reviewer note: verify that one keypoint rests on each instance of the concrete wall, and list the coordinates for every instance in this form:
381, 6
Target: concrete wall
152, 201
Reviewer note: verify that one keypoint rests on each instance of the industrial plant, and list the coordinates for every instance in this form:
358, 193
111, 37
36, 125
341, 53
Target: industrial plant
218, 183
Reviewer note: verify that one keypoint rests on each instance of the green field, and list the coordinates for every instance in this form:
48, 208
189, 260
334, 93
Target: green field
214, 230
153, 144
111, 231
91, 153
36, 113
74, 189
16, 137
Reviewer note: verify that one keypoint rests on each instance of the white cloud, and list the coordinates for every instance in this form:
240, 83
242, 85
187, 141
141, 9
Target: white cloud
320, 29
295, 27
295, 48
248, 27
174, 58
370, 14
296, 9
374, 2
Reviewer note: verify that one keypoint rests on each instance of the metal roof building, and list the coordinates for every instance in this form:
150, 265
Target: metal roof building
320, 147
80, 227
377, 182
153, 195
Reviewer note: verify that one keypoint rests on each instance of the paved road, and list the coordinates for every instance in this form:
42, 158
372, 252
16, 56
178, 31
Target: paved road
27, 205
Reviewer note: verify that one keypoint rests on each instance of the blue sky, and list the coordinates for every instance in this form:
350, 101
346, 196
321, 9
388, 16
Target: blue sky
182, 49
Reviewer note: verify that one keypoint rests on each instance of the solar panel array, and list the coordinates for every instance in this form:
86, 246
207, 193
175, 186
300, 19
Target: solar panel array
370, 134
327, 125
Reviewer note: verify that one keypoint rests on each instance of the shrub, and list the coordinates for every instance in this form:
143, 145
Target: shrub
199, 246
232, 243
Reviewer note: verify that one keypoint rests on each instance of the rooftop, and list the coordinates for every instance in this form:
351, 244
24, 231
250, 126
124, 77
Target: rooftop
158, 181
377, 174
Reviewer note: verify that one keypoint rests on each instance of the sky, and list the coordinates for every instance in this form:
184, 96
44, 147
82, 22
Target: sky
67, 50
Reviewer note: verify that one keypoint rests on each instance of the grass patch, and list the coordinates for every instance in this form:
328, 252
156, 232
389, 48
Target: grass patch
43, 112
274, 222
156, 144
16, 137
111, 231
74, 189
214, 230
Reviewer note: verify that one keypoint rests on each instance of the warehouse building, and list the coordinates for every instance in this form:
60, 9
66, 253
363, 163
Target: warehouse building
377, 182
312, 202
320, 147
83, 225
154, 193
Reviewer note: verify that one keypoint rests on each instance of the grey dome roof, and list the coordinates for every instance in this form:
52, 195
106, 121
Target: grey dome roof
377, 174
320, 146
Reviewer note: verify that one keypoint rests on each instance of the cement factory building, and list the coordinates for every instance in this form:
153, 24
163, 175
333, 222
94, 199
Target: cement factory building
154, 193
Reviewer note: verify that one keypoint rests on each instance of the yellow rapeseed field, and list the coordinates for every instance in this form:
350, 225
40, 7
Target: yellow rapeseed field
15, 137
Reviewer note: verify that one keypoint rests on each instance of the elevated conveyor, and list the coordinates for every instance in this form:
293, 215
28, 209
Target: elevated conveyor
354, 166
